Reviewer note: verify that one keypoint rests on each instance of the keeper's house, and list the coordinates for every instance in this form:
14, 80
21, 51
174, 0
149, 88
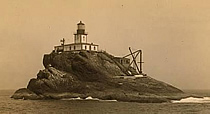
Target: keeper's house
80, 41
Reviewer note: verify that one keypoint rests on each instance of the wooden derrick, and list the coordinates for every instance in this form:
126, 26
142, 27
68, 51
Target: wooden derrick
134, 56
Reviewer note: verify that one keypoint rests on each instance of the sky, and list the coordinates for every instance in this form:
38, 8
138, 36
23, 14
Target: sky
173, 35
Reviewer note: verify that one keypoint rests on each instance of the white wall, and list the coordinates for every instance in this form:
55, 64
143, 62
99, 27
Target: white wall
71, 47
67, 48
77, 47
77, 38
87, 47
92, 48
82, 37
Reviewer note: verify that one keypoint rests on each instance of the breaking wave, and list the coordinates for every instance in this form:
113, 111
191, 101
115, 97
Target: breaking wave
193, 100
88, 99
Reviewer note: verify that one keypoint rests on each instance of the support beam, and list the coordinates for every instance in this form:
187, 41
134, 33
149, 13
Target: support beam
131, 53
134, 60
140, 62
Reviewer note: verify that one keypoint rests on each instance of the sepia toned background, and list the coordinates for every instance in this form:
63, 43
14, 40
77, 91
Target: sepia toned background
173, 34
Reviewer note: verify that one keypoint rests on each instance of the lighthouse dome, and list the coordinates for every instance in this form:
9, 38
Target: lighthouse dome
81, 26
80, 23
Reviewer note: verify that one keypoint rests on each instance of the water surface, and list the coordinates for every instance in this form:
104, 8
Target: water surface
8, 105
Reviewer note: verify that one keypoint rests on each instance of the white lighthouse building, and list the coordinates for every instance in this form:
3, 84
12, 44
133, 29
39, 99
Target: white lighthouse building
80, 41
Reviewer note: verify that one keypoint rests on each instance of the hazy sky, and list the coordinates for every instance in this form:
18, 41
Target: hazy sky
173, 34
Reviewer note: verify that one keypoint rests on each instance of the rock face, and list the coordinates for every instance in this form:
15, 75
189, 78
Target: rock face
83, 74
24, 93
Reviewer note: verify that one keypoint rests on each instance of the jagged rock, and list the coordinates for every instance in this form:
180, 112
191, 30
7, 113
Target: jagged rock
83, 74
25, 94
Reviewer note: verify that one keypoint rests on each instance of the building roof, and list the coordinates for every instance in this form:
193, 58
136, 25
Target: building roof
80, 23
77, 44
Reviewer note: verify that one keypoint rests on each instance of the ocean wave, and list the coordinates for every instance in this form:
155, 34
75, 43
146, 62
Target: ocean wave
78, 98
193, 100
89, 98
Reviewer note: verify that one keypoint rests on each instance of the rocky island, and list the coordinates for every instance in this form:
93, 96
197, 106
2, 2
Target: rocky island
73, 71
83, 74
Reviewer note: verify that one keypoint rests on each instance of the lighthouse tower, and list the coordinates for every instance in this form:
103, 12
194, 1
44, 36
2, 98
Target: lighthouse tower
80, 36
80, 42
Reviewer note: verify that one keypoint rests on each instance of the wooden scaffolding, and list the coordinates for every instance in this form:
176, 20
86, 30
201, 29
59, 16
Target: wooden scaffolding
136, 65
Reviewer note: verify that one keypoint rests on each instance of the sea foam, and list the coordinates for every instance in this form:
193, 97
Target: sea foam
89, 98
193, 100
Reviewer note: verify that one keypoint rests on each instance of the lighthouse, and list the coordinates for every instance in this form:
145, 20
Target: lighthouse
81, 35
80, 41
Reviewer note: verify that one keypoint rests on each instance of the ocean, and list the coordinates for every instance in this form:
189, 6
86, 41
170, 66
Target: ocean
185, 106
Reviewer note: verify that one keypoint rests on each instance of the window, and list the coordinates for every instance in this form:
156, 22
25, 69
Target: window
70, 47
83, 38
74, 47
85, 47
94, 48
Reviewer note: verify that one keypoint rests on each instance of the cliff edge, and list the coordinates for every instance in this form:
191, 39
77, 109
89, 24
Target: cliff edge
97, 74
